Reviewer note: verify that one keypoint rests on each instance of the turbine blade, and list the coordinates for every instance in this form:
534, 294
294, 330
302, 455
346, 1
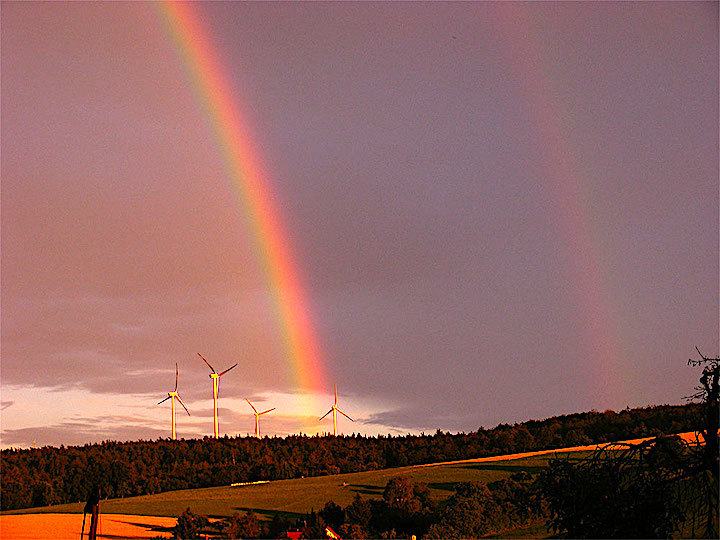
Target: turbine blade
176, 377
345, 415
228, 369
159, 402
208, 363
267, 411
335, 393
184, 407
324, 415
253, 407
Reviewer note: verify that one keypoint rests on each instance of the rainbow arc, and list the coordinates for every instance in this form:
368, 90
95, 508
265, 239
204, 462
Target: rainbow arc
219, 103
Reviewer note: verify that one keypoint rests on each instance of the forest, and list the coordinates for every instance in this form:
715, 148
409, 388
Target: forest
54, 475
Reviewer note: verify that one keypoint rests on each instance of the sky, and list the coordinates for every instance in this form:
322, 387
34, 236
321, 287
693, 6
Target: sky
493, 212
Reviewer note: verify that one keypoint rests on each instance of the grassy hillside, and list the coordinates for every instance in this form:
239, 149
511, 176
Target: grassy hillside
44, 476
299, 496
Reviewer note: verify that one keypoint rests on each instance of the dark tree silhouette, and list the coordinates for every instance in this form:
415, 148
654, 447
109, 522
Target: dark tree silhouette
708, 391
649, 490
615, 493
189, 525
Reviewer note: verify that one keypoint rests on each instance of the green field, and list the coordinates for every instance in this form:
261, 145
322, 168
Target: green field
299, 496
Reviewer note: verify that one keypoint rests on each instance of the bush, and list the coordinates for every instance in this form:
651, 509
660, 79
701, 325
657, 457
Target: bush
471, 513
188, 525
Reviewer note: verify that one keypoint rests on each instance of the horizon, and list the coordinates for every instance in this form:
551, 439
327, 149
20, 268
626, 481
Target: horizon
461, 214
326, 434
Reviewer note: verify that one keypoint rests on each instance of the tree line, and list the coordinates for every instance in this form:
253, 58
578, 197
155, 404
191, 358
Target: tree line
55, 475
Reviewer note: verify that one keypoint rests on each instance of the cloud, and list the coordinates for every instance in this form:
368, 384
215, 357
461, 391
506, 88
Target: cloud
417, 418
77, 433
130, 344
5, 404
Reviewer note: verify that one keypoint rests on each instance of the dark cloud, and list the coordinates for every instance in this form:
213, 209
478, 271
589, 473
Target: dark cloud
419, 419
5, 404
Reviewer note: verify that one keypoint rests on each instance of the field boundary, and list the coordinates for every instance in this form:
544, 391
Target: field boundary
691, 437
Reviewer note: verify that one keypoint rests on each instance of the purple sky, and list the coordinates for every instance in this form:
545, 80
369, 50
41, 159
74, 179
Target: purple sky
501, 211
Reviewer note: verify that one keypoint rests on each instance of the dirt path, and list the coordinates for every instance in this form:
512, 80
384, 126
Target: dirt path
690, 437
66, 526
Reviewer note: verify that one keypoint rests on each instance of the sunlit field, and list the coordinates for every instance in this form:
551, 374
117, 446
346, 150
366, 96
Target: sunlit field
152, 515
301, 495
34, 526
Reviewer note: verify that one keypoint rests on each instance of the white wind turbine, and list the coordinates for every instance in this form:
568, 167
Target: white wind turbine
257, 417
334, 409
174, 395
215, 381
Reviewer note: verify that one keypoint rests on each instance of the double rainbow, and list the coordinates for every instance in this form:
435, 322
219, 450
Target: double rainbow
571, 213
219, 103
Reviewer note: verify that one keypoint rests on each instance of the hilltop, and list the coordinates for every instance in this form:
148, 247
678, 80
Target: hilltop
55, 475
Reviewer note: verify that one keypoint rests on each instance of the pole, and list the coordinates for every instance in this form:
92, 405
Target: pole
94, 517
92, 507
173, 417
215, 393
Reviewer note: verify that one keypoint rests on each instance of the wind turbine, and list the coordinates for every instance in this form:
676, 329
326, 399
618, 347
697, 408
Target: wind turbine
215, 381
257, 417
333, 410
174, 395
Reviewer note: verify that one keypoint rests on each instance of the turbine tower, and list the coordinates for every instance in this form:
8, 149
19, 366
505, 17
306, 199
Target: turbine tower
334, 409
174, 395
257, 417
215, 381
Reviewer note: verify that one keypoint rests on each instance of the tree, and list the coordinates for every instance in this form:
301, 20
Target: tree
402, 494
188, 525
471, 513
399, 493
709, 392
359, 512
707, 459
247, 526
653, 489
616, 493
406, 508
520, 498
332, 514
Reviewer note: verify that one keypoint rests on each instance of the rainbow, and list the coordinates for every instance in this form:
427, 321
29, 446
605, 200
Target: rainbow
570, 210
219, 103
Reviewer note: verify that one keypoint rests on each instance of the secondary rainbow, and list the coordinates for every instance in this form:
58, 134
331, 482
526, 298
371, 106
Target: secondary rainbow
570, 209
219, 102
